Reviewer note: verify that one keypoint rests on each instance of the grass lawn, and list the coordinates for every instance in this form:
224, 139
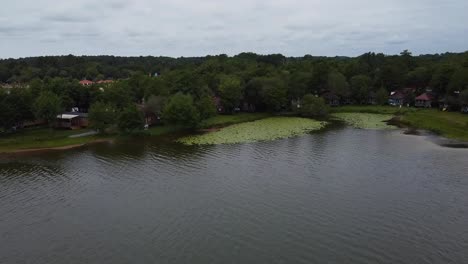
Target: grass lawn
373, 109
448, 124
36, 138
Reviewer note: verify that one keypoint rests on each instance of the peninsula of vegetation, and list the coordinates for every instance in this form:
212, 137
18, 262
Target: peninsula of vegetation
55, 102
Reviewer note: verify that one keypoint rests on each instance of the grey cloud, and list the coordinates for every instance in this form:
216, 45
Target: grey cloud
192, 28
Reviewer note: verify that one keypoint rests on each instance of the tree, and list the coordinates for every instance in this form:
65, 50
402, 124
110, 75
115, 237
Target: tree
313, 106
47, 106
337, 83
180, 110
230, 91
101, 116
464, 97
459, 80
382, 96
130, 119
274, 93
360, 87
206, 107
155, 104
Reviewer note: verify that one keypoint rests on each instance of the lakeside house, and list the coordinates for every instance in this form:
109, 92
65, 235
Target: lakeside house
72, 120
86, 82
396, 98
424, 100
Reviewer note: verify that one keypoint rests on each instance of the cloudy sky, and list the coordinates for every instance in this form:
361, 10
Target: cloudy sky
200, 27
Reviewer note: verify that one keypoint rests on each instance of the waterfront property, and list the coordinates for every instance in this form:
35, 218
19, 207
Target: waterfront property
72, 120
424, 100
396, 98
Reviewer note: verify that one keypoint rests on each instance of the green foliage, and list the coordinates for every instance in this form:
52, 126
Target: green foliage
101, 116
181, 111
382, 96
360, 87
155, 104
274, 93
130, 120
337, 83
260, 130
230, 91
47, 106
313, 106
206, 107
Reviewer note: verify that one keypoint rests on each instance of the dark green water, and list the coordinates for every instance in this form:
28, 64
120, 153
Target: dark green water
343, 196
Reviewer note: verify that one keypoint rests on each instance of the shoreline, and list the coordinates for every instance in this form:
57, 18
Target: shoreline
46, 149
399, 120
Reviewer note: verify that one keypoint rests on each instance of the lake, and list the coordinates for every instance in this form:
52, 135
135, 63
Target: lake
340, 196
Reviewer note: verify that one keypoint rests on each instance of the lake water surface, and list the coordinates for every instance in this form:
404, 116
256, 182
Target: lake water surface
340, 196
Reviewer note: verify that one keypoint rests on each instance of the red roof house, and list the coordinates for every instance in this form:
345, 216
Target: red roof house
423, 100
86, 82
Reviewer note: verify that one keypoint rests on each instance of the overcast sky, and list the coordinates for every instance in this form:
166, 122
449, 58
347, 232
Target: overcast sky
201, 27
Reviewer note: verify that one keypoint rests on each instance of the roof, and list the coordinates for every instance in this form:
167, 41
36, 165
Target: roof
397, 95
424, 97
84, 82
66, 116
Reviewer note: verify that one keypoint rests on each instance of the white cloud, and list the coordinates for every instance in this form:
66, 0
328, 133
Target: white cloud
194, 28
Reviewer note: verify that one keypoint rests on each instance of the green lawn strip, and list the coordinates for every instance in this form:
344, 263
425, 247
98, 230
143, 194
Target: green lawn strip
43, 138
373, 109
447, 124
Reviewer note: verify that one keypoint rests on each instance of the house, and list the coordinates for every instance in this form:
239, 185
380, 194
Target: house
86, 82
331, 98
396, 98
424, 100
72, 120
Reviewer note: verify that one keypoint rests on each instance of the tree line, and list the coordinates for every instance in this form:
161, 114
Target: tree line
184, 88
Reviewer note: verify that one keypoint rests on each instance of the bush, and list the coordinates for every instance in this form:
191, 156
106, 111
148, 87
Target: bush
180, 110
313, 106
130, 120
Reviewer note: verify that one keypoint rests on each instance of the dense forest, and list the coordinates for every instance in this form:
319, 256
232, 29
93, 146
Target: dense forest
182, 89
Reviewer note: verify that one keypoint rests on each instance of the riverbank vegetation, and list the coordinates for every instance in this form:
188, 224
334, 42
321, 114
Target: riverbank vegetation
365, 120
44, 138
125, 95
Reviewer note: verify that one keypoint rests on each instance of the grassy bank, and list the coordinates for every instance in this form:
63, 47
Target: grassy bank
448, 124
43, 138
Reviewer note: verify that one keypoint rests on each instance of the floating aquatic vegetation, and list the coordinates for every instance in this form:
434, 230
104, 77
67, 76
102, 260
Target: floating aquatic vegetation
260, 130
365, 120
